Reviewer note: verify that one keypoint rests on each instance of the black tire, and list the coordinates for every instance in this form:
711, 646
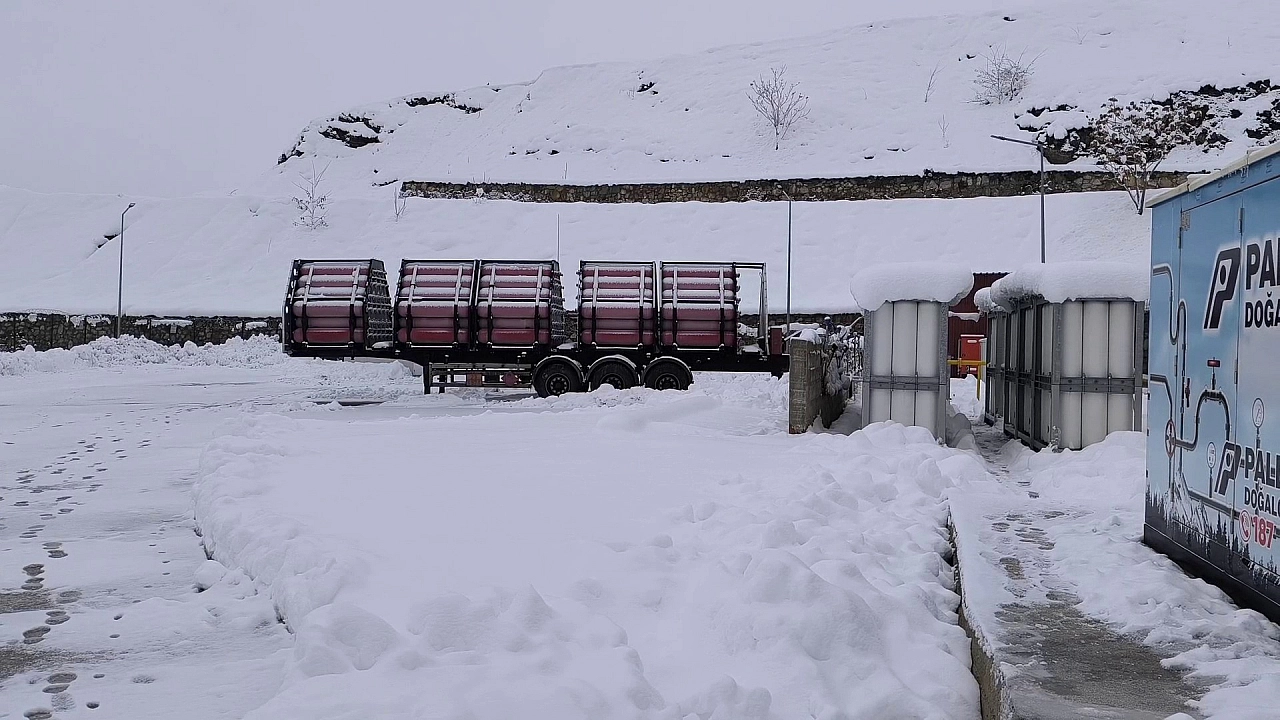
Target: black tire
557, 377
667, 375
617, 373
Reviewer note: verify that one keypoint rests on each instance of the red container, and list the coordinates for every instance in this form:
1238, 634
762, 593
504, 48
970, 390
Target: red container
338, 303
699, 305
519, 303
434, 302
617, 305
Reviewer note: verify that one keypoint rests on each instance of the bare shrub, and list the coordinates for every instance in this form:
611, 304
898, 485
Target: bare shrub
401, 202
1130, 141
933, 79
312, 203
779, 102
1002, 78
943, 125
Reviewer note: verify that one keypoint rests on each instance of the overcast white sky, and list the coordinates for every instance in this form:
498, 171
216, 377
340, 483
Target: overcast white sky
171, 97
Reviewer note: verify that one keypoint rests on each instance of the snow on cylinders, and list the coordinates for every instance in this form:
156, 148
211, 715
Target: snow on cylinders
1065, 345
1213, 449
905, 308
503, 323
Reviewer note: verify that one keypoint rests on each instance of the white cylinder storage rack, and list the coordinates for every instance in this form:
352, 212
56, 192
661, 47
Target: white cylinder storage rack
1066, 371
906, 378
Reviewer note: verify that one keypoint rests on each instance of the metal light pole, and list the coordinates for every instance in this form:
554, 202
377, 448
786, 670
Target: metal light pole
788, 197
1040, 149
120, 277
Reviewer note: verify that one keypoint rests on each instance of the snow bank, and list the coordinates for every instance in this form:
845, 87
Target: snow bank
1062, 281
873, 286
639, 554
257, 351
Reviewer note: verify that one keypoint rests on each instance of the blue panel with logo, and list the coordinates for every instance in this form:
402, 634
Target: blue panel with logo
1213, 462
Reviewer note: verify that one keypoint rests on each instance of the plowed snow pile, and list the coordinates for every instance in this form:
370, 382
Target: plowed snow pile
620, 554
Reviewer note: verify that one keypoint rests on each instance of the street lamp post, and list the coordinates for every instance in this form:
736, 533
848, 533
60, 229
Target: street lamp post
1040, 149
120, 277
788, 197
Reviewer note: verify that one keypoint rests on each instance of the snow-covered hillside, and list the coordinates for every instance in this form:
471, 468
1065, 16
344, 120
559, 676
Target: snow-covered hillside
231, 255
689, 117
685, 118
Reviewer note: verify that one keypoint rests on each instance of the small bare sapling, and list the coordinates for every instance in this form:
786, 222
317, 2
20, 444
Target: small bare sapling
312, 202
779, 102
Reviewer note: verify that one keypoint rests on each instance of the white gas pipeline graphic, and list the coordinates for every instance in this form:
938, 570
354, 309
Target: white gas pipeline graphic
1175, 440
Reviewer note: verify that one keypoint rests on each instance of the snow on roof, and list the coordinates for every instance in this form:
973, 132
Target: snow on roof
1077, 280
935, 282
1198, 181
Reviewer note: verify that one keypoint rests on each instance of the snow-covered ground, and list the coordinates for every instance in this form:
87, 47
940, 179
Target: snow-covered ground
891, 97
618, 554
1076, 541
231, 255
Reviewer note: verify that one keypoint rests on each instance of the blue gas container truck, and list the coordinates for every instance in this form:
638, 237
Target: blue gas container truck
1213, 446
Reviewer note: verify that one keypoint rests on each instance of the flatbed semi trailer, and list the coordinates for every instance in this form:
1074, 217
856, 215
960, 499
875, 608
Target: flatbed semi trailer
502, 323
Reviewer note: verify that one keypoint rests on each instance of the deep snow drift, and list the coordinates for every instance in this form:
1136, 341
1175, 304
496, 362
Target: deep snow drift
624, 554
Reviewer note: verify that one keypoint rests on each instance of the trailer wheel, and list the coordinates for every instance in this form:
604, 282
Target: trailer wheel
667, 374
618, 373
556, 377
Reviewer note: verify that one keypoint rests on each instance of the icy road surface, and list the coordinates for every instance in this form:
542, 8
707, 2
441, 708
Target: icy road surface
99, 614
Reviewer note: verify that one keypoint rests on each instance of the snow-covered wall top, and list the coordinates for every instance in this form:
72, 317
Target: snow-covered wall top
887, 98
1077, 280
874, 286
230, 255
983, 300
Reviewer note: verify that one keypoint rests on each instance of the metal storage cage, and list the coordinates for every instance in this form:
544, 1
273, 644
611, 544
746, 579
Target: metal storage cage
906, 376
1066, 374
337, 306
996, 384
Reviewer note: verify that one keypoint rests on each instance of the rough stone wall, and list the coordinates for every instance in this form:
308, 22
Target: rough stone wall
44, 331
894, 187
808, 398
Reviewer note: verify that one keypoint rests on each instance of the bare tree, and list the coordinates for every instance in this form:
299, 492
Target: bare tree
779, 102
312, 203
1130, 141
1002, 78
401, 201
933, 79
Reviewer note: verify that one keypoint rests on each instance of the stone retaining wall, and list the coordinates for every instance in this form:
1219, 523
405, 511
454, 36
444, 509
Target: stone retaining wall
892, 187
44, 331
809, 394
